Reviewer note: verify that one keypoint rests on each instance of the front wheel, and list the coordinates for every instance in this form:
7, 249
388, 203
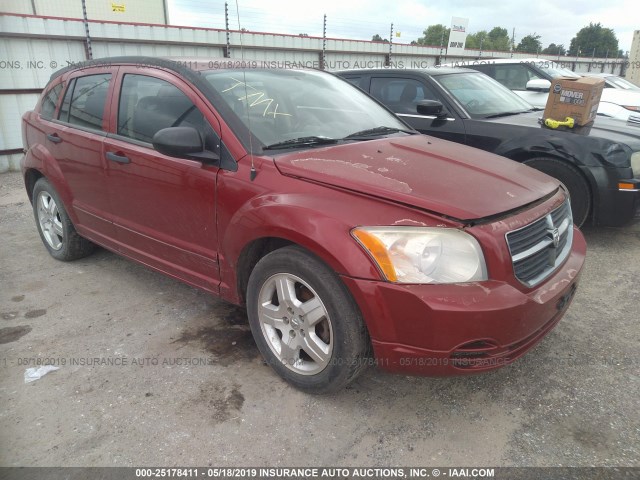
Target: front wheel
305, 322
574, 181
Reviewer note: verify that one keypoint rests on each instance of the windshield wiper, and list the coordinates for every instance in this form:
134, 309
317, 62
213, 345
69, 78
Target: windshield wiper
301, 142
376, 132
506, 114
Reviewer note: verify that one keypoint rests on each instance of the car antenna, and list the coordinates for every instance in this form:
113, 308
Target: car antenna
253, 173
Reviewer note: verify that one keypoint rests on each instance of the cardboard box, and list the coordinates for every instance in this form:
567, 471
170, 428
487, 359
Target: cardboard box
574, 97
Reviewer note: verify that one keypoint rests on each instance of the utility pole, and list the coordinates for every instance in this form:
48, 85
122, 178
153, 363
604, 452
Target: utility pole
227, 48
481, 40
88, 51
441, 46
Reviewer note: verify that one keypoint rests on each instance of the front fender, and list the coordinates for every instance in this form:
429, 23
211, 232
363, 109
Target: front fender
306, 220
316, 216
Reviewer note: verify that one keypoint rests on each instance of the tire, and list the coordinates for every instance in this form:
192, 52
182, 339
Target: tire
305, 322
573, 179
56, 230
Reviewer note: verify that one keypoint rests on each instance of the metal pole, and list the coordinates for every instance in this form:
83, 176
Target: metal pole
227, 49
166, 12
513, 40
481, 40
441, 45
390, 43
323, 56
88, 50
33, 6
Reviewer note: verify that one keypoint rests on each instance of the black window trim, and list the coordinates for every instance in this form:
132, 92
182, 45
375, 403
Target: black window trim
71, 86
58, 101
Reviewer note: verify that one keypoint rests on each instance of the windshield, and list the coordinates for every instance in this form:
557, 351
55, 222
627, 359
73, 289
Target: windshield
555, 70
620, 82
480, 95
281, 105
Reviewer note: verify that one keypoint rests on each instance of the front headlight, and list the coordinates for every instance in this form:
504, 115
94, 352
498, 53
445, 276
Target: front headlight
423, 254
635, 164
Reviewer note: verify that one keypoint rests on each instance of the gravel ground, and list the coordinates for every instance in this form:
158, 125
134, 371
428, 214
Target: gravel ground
572, 401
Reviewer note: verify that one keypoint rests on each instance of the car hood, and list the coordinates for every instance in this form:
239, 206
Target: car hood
621, 97
432, 174
603, 128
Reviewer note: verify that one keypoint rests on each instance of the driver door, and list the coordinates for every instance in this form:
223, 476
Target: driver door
164, 208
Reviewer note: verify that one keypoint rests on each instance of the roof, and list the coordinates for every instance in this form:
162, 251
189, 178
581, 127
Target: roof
178, 65
434, 71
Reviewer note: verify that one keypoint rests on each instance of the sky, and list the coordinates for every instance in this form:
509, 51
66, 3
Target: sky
555, 21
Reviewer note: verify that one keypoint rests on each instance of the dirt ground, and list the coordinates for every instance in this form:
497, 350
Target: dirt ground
154, 372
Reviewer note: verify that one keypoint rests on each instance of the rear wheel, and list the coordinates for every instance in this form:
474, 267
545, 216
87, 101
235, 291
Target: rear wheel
573, 179
305, 323
56, 230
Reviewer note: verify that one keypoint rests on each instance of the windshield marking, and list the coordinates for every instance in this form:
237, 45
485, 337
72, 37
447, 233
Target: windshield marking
261, 98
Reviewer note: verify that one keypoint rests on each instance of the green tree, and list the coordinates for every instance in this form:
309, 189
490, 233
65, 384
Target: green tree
499, 39
594, 39
478, 40
433, 35
554, 49
378, 38
530, 44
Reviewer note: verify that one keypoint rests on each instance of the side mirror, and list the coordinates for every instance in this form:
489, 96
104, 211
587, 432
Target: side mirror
539, 85
182, 142
431, 107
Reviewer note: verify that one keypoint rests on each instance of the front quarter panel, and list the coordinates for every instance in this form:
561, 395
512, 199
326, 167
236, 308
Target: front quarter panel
316, 217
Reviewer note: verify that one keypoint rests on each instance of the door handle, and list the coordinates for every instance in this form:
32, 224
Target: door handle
54, 138
114, 157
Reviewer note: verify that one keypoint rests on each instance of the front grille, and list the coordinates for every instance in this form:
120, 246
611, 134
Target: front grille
540, 247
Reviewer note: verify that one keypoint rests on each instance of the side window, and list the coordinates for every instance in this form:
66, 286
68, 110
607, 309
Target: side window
84, 101
400, 94
50, 101
514, 77
149, 104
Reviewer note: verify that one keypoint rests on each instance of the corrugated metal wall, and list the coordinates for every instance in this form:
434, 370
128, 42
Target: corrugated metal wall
33, 47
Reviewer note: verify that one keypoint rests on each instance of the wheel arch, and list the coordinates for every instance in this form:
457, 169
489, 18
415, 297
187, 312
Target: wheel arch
524, 155
37, 163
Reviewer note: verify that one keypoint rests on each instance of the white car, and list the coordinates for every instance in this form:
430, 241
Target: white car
614, 81
531, 79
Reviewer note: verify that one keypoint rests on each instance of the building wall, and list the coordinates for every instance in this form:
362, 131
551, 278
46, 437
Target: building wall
138, 11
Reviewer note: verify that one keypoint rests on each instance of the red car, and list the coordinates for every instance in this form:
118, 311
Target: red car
351, 239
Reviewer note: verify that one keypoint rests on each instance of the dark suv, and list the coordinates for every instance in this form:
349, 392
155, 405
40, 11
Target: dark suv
351, 239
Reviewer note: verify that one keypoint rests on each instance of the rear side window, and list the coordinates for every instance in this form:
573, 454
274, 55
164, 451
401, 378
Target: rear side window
50, 101
357, 81
84, 101
149, 104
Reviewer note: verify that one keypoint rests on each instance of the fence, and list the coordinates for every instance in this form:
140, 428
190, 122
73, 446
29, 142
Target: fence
33, 47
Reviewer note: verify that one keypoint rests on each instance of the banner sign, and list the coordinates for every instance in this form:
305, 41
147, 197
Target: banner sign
458, 36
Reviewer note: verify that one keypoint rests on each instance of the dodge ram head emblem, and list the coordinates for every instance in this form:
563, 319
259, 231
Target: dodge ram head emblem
555, 235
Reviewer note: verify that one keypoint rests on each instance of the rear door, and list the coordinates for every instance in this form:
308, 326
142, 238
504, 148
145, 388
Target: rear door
164, 207
75, 139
